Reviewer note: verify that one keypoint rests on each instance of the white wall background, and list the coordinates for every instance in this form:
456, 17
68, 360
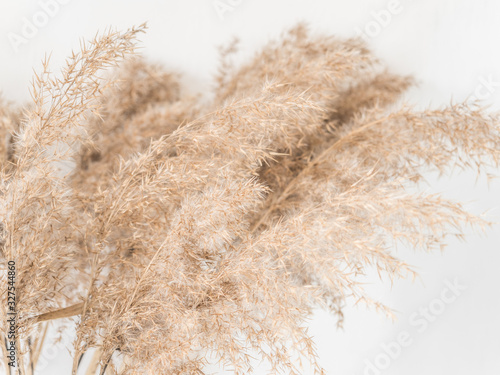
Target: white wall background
451, 46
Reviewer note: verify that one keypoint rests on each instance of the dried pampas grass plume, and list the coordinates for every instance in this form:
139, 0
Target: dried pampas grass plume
176, 232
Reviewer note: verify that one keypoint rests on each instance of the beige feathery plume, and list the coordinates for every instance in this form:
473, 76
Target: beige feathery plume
185, 232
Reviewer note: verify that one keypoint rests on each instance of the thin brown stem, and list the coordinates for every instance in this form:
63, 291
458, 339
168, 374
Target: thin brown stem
60, 313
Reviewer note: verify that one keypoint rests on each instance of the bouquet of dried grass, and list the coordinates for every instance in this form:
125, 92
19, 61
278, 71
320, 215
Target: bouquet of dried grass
176, 231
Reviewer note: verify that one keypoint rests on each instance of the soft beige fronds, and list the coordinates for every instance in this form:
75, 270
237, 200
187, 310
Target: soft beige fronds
178, 233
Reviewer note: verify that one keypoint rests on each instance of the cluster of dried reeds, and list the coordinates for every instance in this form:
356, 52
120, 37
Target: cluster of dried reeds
176, 231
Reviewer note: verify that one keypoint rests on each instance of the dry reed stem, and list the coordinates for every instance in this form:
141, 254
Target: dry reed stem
176, 230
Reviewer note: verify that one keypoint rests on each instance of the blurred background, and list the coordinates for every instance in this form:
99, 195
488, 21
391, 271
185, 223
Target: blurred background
448, 320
